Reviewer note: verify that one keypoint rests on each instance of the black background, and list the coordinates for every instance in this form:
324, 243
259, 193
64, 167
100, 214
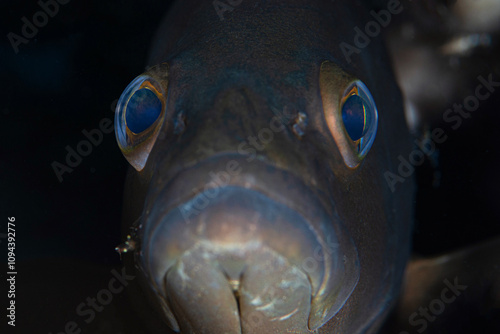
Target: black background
67, 78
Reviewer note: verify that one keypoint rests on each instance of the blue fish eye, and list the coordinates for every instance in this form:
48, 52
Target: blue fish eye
350, 113
356, 117
139, 116
360, 117
143, 109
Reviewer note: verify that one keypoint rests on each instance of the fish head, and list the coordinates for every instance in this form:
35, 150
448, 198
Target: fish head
259, 184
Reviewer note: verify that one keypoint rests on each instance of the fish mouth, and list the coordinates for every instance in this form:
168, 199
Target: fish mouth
238, 258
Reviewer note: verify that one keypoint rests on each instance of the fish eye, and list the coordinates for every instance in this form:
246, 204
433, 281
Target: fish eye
138, 118
354, 117
142, 110
360, 117
350, 113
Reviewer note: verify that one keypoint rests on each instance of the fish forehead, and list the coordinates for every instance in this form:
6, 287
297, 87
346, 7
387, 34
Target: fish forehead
272, 34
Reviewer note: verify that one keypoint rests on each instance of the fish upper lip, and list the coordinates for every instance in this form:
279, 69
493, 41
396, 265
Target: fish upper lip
240, 192
286, 189
193, 177
290, 190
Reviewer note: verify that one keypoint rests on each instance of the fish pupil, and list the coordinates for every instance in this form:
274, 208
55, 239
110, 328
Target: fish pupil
354, 116
143, 109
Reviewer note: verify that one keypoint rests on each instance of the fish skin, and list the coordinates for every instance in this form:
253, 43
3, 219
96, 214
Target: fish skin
264, 56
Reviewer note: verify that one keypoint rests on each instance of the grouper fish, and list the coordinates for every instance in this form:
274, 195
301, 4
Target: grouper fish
263, 147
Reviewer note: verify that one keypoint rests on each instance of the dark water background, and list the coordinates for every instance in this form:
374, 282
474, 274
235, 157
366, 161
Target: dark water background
66, 79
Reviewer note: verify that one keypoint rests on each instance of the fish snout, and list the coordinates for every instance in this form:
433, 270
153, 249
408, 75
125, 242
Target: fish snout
246, 262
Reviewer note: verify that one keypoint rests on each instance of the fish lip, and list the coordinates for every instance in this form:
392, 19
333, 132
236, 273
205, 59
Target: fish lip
189, 178
238, 191
175, 179
256, 176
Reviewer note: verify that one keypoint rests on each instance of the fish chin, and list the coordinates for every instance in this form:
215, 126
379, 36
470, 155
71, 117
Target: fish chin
247, 263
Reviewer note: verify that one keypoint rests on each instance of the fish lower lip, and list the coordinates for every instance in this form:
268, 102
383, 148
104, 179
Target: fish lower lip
246, 264
268, 294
